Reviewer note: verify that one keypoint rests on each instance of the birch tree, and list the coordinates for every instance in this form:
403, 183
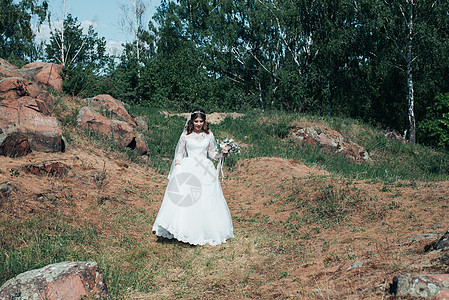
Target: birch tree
133, 21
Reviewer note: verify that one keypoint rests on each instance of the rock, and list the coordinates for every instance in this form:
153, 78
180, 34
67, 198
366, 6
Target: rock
394, 136
423, 236
141, 144
15, 88
48, 74
141, 123
121, 131
426, 286
5, 190
442, 243
15, 144
111, 107
56, 169
27, 115
65, 280
355, 265
331, 141
9, 70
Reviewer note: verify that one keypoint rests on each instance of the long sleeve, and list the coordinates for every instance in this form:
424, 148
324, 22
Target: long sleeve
180, 151
212, 150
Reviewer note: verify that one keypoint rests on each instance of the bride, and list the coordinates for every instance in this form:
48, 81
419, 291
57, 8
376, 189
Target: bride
194, 209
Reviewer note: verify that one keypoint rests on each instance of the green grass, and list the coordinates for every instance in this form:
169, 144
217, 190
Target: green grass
265, 135
39, 241
268, 134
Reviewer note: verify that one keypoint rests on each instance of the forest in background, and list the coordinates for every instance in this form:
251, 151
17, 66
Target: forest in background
383, 62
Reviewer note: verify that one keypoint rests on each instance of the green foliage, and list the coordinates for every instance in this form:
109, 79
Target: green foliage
435, 126
83, 56
17, 38
163, 135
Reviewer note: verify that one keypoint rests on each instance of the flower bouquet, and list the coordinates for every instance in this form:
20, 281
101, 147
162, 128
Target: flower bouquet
228, 145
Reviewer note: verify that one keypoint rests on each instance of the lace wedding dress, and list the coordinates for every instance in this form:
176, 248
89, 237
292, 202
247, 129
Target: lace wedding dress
194, 209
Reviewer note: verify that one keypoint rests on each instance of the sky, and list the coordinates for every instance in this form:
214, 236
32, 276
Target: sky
104, 15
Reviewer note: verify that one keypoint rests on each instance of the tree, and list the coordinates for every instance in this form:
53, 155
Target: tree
415, 31
16, 35
132, 21
84, 57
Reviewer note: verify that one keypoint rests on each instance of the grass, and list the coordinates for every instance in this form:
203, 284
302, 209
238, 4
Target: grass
265, 255
133, 266
37, 242
266, 136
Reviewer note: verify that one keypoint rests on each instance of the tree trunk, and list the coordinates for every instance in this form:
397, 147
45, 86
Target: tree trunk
410, 93
260, 97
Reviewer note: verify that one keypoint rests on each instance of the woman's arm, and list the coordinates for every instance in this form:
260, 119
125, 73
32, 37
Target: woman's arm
212, 149
181, 149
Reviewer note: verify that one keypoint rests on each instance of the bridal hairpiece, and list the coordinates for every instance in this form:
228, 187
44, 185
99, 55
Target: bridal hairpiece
198, 112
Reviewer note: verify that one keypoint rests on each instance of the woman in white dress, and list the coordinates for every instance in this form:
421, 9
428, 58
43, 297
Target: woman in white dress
194, 209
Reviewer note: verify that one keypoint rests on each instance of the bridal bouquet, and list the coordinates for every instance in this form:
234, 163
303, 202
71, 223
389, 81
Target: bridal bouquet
228, 145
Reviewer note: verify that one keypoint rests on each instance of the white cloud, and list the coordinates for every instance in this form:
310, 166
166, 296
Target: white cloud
85, 25
114, 47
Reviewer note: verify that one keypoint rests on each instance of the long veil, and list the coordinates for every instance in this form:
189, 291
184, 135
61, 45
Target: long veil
173, 163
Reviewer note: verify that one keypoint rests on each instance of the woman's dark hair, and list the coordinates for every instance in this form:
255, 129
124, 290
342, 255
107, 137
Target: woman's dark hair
197, 113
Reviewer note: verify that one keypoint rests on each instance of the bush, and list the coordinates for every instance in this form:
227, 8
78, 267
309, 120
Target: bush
435, 127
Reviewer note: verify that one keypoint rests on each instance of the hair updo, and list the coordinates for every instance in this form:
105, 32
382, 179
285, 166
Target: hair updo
195, 114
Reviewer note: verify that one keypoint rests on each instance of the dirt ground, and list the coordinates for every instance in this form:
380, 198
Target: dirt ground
291, 250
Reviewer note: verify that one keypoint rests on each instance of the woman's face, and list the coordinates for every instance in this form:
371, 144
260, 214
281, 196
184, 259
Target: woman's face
198, 124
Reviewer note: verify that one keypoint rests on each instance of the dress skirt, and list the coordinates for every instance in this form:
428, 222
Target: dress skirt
194, 209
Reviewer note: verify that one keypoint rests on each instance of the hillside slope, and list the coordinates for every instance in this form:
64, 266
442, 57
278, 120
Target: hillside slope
298, 229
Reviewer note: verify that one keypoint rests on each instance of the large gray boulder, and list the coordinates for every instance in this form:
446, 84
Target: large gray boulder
65, 280
421, 286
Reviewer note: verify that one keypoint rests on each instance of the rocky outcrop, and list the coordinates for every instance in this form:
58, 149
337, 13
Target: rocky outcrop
66, 280
15, 144
15, 88
108, 117
422, 286
120, 131
26, 122
332, 141
141, 123
8, 70
111, 107
46, 74
395, 136
5, 190
30, 116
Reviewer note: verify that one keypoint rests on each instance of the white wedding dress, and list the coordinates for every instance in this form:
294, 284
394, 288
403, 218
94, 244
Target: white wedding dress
194, 209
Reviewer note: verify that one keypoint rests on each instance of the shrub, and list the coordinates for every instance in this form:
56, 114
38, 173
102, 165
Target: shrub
435, 127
